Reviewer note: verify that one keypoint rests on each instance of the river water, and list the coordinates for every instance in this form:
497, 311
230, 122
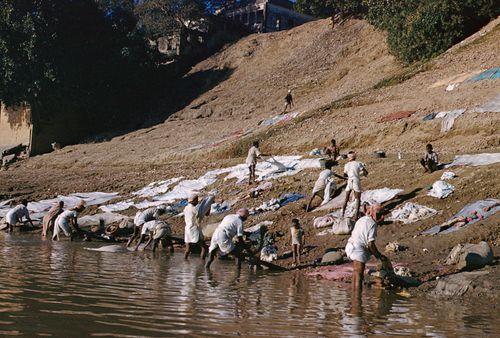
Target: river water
60, 289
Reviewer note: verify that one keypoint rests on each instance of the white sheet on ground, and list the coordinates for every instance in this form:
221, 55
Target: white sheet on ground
370, 196
411, 212
38, 209
492, 106
466, 211
107, 217
156, 188
441, 189
449, 118
475, 160
119, 206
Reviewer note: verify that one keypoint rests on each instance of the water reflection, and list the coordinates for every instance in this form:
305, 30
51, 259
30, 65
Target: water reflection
58, 288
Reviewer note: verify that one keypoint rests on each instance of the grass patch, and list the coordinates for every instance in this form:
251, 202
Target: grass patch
403, 76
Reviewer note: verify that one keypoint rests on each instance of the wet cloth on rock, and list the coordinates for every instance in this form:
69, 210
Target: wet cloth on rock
472, 213
441, 189
411, 212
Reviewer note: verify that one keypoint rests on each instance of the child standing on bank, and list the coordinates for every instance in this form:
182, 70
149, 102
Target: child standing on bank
298, 240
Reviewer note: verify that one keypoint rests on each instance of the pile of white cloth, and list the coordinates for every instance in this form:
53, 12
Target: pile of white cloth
411, 212
441, 189
448, 175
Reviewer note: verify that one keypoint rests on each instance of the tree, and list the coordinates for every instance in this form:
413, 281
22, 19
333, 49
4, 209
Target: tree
160, 17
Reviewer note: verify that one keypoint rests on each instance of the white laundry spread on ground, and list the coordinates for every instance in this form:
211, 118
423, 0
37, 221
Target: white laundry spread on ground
38, 209
448, 175
449, 118
278, 166
411, 212
107, 217
156, 188
492, 106
370, 196
441, 189
475, 160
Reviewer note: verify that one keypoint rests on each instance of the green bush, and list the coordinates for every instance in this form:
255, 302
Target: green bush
419, 30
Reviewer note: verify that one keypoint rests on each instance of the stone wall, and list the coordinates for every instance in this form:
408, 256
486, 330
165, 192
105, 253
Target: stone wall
15, 126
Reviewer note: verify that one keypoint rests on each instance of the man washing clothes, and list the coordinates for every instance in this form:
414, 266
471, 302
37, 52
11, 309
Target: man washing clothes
361, 245
353, 171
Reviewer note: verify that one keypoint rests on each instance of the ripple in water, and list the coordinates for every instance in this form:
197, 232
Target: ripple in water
60, 289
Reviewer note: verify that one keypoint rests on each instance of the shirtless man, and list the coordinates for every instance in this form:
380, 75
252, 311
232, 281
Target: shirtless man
361, 245
333, 151
50, 218
142, 217
193, 236
222, 239
321, 184
15, 215
352, 171
251, 161
430, 160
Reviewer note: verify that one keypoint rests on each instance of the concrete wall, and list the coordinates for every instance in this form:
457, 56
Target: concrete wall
15, 126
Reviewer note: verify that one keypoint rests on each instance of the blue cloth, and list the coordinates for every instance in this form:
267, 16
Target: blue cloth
290, 198
491, 74
429, 117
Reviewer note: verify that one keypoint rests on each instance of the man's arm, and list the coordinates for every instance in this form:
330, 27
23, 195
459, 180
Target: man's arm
341, 177
374, 251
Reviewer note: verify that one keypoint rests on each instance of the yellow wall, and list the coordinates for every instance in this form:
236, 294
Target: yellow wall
15, 126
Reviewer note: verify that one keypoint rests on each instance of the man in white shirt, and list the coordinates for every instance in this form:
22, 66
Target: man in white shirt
352, 171
251, 161
361, 244
222, 239
142, 217
16, 215
156, 230
192, 231
325, 184
65, 220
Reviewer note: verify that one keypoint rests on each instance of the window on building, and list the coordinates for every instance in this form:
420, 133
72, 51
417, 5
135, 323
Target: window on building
260, 16
251, 20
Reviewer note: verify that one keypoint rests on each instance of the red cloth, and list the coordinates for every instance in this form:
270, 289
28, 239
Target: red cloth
397, 115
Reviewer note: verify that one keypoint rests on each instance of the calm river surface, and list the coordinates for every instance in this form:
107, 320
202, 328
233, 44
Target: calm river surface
61, 289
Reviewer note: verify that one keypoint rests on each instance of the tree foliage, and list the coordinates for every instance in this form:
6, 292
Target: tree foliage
417, 29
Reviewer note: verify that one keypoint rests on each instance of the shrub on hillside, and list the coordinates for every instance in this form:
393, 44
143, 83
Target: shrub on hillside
419, 30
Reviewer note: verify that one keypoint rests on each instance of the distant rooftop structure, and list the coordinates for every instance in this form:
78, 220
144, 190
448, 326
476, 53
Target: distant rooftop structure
261, 16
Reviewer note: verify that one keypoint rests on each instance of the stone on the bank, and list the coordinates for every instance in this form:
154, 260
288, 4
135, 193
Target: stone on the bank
470, 256
333, 257
457, 285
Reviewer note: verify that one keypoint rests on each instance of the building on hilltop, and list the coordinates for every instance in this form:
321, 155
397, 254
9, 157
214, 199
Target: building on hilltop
261, 16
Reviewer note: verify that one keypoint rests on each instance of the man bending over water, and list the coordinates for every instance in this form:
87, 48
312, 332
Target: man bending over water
361, 245
222, 239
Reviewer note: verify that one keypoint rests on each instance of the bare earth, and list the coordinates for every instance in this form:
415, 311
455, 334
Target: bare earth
344, 80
